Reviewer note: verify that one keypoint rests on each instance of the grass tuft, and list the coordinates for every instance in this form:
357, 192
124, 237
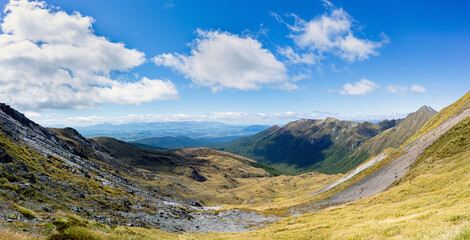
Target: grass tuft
27, 213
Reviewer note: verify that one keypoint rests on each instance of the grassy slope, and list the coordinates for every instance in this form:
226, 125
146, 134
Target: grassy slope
430, 202
231, 179
442, 116
172, 160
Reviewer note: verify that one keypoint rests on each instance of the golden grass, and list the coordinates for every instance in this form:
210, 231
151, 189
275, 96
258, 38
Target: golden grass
441, 117
425, 207
7, 234
433, 202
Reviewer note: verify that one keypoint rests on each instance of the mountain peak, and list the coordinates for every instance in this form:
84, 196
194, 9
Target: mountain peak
426, 108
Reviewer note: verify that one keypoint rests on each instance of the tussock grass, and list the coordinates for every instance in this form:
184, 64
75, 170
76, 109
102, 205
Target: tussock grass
430, 203
7, 234
27, 213
442, 116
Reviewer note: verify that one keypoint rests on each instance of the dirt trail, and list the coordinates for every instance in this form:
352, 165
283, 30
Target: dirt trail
382, 178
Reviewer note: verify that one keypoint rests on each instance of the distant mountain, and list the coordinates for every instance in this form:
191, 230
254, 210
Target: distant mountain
328, 146
170, 142
191, 129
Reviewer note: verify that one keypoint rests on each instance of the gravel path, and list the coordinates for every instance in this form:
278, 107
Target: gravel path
381, 179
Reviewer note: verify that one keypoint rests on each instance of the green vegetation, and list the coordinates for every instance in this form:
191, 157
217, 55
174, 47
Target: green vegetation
394, 137
26, 212
442, 116
429, 202
328, 146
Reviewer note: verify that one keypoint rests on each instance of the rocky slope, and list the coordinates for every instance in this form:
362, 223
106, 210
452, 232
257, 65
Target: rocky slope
45, 171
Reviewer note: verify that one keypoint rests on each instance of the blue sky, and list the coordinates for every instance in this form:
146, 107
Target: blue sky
239, 62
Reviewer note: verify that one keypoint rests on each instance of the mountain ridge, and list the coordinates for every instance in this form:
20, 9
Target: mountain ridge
329, 145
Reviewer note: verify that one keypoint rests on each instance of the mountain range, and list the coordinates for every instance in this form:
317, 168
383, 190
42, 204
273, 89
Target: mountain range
57, 184
328, 146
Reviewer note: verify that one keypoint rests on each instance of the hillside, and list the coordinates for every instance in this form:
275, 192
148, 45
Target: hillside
214, 177
395, 136
419, 190
328, 146
426, 197
57, 178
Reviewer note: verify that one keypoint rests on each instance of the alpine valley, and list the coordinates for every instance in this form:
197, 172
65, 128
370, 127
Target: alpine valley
404, 178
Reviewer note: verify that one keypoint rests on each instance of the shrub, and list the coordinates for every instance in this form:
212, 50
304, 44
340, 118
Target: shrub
63, 224
4, 180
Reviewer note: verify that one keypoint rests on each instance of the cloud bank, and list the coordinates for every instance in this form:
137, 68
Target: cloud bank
52, 59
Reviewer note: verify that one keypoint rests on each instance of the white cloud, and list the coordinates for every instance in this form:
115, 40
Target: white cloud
362, 87
332, 33
221, 60
418, 89
32, 114
400, 90
52, 59
394, 89
306, 58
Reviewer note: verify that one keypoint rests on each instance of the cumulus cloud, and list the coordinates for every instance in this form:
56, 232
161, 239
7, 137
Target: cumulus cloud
362, 87
220, 60
331, 33
52, 59
394, 89
418, 89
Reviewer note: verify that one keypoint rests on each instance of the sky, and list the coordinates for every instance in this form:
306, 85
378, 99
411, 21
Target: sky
76, 63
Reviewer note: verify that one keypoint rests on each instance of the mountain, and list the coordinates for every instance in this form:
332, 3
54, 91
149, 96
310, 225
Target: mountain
56, 184
191, 129
170, 142
328, 146
58, 178
394, 137
418, 191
